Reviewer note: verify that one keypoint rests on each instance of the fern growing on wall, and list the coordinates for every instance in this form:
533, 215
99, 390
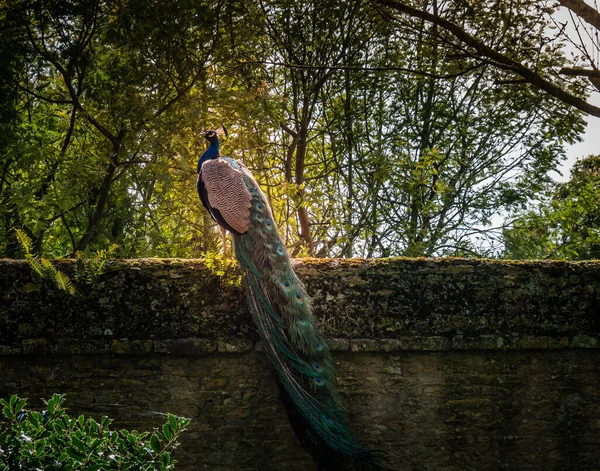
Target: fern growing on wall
87, 269
43, 267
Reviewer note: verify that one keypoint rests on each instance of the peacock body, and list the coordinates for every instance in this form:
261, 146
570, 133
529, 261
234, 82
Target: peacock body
282, 312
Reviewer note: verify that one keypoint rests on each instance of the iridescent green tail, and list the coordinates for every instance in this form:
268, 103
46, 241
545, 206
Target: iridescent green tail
297, 350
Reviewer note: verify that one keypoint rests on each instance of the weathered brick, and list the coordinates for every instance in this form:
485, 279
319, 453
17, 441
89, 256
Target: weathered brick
425, 344
584, 341
483, 342
35, 346
234, 346
10, 350
338, 345
374, 345
131, 347
191, 347
66, 346
526, 342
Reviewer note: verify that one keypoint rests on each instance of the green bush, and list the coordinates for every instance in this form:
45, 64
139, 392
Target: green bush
53, 441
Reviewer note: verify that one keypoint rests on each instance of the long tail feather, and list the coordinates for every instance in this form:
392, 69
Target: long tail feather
297, 350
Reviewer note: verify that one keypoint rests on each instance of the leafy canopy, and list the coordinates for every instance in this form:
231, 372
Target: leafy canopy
567, 225
372, 133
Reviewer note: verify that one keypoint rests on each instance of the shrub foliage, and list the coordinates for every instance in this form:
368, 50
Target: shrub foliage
53, 441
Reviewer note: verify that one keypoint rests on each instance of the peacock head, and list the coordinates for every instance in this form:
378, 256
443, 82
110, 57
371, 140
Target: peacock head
211, 136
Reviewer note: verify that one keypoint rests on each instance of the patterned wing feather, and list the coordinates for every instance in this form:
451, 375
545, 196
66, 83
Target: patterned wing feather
226, 193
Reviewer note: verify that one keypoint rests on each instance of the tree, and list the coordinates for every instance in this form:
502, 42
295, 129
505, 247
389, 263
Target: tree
99, 75
372, 133
306, 36
442, 148
460, 25
586, 22
567, 226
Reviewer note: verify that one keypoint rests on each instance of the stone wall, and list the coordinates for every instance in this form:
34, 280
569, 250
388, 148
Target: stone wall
443, 364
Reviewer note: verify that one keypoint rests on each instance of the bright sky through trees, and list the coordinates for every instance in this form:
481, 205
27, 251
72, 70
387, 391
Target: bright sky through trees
591, 138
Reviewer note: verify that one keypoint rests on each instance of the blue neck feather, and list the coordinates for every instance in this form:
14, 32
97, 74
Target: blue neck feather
211, 153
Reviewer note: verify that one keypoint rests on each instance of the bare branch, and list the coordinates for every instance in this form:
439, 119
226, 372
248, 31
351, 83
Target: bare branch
62, 101
388, 68
584, 11
501, 60
287, 129
580, 72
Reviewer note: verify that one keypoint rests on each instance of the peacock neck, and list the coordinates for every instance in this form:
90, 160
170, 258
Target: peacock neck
211, 153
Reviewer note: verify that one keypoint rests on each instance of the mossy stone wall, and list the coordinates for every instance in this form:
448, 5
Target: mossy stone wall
443, 364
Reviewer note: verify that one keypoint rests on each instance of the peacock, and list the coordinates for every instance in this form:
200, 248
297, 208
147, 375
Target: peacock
282, 312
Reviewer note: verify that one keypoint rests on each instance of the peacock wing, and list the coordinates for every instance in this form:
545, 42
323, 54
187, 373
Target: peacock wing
227, 194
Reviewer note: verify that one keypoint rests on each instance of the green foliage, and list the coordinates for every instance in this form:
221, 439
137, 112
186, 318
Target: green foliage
53, 441
223, 267
87, 268
43, 267
370, 136
567, 225
427, 161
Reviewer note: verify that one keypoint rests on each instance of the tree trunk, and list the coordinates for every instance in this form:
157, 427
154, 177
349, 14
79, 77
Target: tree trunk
350, 230
305, 234
91, 231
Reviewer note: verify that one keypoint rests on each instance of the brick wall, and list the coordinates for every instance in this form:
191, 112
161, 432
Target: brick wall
443, 364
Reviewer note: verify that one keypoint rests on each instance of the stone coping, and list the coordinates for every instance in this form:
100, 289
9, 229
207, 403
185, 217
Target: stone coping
393, 303
202, 346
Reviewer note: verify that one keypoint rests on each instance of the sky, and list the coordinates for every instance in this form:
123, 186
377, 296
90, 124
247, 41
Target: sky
589, 145
591, 138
